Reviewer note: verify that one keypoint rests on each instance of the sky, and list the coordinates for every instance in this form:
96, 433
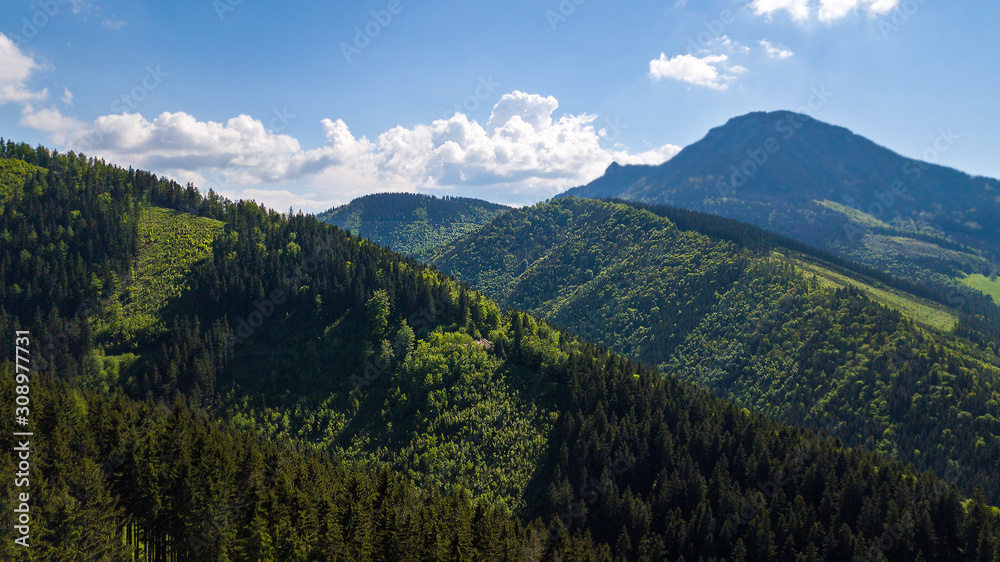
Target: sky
307, 105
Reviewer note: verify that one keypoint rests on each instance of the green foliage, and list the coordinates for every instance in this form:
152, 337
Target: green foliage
171, 243
988, 285
377, 309
829, 188
128, 480
409, 223
751, 327
333, 400
13, 176
922, 311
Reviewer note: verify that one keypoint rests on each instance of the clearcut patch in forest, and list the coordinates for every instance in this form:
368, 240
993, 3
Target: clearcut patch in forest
922, 311
171, 242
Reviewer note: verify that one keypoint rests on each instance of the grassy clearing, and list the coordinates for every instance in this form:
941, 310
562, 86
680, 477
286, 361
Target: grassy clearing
853, 214
982, 283
171, 243
922, 311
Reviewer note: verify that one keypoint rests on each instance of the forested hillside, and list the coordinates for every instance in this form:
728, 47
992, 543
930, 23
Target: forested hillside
307, 394
830, 188
726, 310
411, 223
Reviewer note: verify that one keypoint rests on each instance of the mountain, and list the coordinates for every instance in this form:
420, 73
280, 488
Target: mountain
411, 223
833, 189
295, 392
763, 321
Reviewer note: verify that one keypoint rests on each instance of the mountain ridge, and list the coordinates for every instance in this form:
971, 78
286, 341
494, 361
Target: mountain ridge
379, 377
830, 188
743, 316
411, 223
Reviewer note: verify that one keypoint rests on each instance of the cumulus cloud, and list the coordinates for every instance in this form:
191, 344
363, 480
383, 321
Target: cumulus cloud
797, 9
826, 10
524, 153
52, 121
775, 51
650, 157
700, 71
15, 70
279, 199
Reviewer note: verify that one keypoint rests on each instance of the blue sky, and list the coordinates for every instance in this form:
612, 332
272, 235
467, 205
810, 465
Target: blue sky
312, 104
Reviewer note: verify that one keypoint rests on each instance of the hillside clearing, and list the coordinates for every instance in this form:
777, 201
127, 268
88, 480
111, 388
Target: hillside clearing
922, 311
985, 284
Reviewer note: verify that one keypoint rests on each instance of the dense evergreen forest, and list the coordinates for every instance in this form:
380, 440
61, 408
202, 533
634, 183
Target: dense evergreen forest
299, 393
411, 223
717, 303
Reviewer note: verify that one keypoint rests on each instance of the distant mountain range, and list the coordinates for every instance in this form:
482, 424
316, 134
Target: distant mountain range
411, 223
828, 187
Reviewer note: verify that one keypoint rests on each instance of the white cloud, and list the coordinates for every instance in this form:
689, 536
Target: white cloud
242, 145
797, 9
832, 10
775, 51
650, 157
51, 120
826, 11
15, 70
279, 199
524, 153
701, 71
114, 24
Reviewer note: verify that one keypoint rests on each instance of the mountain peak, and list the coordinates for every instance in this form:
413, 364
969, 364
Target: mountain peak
804, 178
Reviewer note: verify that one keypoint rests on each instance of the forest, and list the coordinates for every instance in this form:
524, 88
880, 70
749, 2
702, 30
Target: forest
829, 188
707, 299
300, 393
411, 223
